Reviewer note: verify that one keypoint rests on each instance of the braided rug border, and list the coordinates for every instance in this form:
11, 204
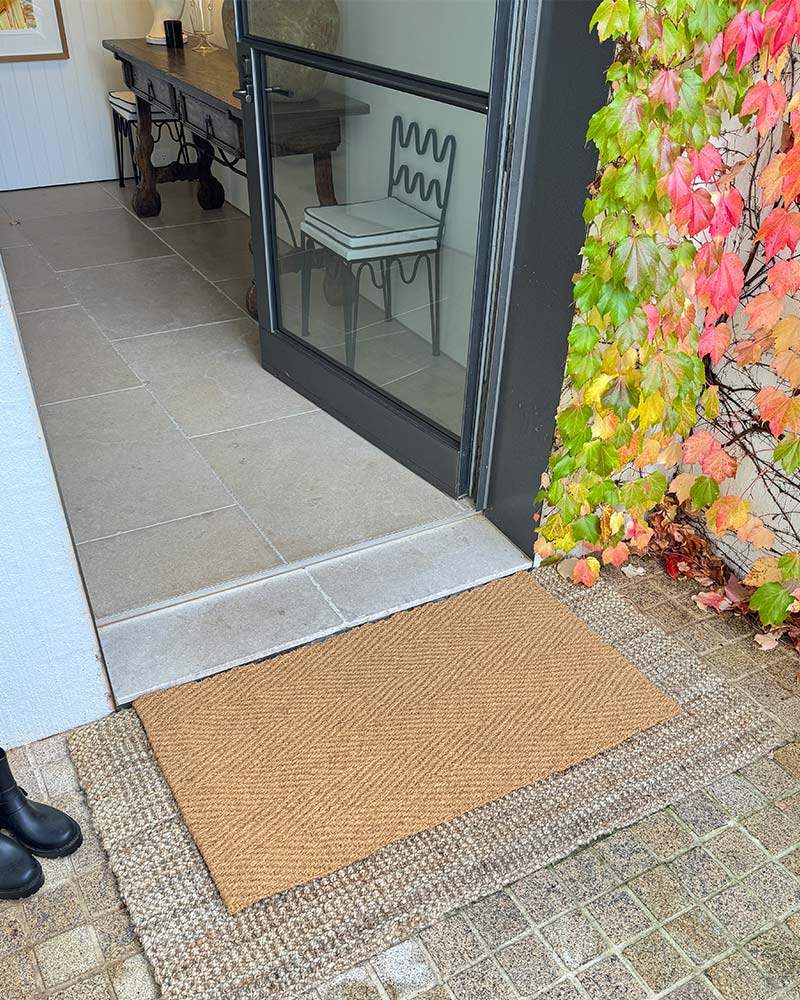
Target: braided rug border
281, 945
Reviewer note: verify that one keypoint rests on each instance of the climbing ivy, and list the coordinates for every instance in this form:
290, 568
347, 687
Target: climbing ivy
692, 225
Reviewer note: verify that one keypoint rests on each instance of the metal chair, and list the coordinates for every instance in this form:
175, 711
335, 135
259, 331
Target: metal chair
124, 116
408, 223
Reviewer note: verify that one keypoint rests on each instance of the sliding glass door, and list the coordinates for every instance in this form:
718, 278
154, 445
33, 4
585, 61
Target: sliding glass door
373, 135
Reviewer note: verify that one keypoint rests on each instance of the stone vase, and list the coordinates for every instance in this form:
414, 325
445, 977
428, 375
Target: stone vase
163, 10
312, 24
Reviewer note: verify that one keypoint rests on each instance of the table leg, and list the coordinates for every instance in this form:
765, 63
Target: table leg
323, 178
210, 193
146, 200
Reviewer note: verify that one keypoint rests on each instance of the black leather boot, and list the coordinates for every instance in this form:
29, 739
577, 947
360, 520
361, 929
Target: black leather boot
40, 828
20, 874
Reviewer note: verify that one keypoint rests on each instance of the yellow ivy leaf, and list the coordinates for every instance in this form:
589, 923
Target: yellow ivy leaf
727, 513
604, 425
681, 485
596, 389
756, 532
711, 402
616, 522
763, 570
543, 548
787, 334
787, 365
650, 410
672, 454
648, 455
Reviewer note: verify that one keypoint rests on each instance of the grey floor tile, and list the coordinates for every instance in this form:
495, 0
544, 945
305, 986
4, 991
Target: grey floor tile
430, 563
497, 919
148, 296
740, 910
620, 916
739, 978
609, 979
698, 935
210, 378
210, 634
11, 233
109, 237
69, 357
529, 965
63, 199
575, 939
482, 982
33, 283
542, 895
452, 944
123, 464
158, 564
777, 952
219, 250
657, 961
179, 205
235, 288
317, 486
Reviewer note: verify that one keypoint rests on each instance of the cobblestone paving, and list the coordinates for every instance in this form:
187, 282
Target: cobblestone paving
697, 902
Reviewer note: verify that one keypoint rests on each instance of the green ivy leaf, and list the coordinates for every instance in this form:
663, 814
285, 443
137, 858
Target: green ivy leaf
704, 491
707, 18
772, 603
787, 452
583, 338
582, 367
635, 263
620, 396
587, 529
611, 18
600, 458
573, 426
633, 332
606, 491
587, 290
616, 301
789, 565
633, 493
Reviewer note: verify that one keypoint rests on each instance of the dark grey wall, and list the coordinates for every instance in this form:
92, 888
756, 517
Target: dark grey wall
553, 165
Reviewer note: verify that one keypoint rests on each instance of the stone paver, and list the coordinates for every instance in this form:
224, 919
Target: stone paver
700, 901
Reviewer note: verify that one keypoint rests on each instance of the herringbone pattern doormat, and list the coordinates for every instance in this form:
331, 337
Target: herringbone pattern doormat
288, 770
280, 945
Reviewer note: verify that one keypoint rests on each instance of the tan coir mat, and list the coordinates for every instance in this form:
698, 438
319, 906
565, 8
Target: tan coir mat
291, 769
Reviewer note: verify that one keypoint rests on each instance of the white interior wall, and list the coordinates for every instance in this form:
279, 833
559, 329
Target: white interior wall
51, 677
55, 126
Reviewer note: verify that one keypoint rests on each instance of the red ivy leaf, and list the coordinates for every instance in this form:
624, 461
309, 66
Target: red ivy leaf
665, 89
789, 170
781, 22
784, 277
713, 59
764, 311
696, 212
768, 101
722, 288
780, 410
727, 213
779, 231
745, 33
705, 162
714, 341
702, 447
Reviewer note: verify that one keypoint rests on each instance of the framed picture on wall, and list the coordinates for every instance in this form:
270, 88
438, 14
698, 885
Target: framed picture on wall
32, 29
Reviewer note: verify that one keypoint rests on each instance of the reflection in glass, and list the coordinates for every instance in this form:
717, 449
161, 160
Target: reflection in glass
375, 235
448, 40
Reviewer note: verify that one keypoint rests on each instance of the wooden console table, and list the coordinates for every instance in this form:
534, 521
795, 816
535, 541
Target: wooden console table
197, 90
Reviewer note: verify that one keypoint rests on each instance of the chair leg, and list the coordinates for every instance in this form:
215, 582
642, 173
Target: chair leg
386, 285
118, 149
433, 298
348, 309
305, 283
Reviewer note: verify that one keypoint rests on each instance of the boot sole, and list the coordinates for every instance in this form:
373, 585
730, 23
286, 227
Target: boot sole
62, 852
24, 891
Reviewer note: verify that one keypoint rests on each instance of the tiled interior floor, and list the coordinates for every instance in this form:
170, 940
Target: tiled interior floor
700, 901
186, 469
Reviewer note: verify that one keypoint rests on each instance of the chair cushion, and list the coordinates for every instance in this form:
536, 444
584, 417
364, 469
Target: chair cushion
372, 251
372, 223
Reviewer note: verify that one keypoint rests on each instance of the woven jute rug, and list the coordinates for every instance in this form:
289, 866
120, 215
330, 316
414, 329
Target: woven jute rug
288, 770
280, 945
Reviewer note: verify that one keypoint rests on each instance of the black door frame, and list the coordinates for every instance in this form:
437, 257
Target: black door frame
561, 84
548, 78
433, 453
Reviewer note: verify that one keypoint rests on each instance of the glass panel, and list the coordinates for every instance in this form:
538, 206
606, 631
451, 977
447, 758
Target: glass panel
382, 281
447, 40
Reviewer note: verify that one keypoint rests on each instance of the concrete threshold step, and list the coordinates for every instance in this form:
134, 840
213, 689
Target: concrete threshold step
213, 632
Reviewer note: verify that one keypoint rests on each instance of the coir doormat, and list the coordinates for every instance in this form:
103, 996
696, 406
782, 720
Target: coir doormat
281, 944
288, 770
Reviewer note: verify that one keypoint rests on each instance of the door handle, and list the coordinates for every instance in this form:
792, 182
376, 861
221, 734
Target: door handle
245, 94
279, 90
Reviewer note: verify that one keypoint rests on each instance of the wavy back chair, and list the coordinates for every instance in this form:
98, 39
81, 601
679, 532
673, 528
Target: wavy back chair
398, 232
